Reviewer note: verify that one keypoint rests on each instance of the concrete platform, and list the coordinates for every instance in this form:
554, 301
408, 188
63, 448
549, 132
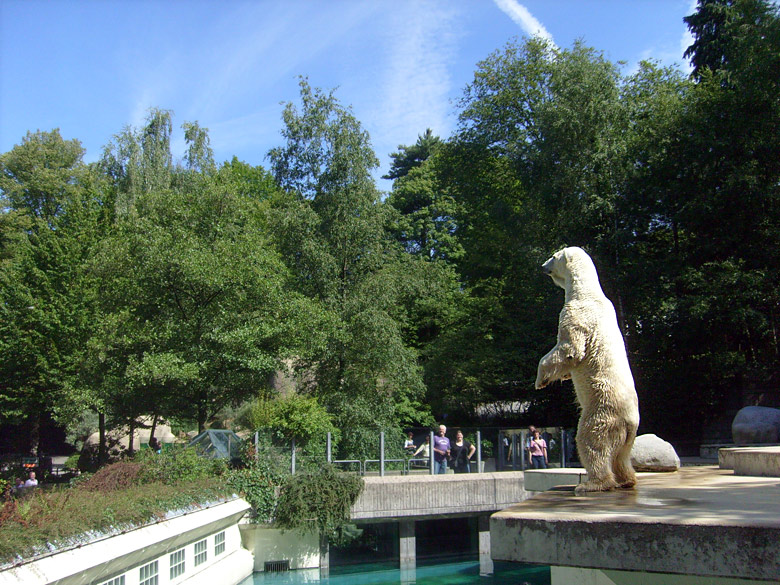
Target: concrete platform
700, 521
541, 480
755, 461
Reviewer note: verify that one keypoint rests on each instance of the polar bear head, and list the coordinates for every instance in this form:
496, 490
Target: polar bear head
572, 268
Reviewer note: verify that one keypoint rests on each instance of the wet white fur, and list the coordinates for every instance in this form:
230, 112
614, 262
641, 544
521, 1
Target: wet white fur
591, 351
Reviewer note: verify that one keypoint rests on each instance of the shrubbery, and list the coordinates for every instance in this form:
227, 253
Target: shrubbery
149, 486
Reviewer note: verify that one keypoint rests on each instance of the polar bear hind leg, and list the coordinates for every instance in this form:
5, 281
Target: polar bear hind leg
597, 445
624, 471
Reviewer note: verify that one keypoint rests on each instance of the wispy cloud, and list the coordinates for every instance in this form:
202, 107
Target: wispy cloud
413, 92
686, 40
524, 19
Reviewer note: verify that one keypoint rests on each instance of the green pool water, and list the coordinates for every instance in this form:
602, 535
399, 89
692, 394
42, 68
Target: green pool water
461, 572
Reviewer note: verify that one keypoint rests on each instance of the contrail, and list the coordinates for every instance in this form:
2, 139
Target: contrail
524, 19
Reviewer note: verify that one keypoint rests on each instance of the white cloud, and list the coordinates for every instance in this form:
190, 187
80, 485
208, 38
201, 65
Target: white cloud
416, 82
524, 19
686, 40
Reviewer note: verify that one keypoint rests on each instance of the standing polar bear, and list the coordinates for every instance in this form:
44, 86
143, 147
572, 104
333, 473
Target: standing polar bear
591, 351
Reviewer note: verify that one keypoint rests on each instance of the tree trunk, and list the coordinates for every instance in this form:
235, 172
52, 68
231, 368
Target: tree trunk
154, 426
102, 451
131, 446
35, 434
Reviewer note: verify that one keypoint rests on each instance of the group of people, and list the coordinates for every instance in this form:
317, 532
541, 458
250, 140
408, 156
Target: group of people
457, 453
31, 481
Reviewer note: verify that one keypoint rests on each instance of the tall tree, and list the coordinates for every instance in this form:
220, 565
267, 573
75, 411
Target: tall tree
332, 228
198, 311
425, 225
47, 296
536, 164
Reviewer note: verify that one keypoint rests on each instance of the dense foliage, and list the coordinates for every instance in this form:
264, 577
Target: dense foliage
119, 496
140, 285
318, 501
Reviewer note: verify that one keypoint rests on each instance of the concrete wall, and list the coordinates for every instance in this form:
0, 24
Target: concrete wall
569, 575
125, 554
271, 544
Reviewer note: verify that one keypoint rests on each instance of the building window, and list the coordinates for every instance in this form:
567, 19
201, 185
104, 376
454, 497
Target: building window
115, 581
200, 552
177, 563
219, 543
148, 574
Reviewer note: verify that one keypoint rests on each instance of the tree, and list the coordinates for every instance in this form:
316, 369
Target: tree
331, 227
47, 295
537, 163
40, 174
426, 225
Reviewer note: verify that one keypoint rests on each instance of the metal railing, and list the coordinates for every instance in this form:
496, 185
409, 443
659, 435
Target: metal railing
509, 446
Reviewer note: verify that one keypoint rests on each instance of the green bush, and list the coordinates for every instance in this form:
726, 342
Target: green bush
295, 417
178, 464
319, 501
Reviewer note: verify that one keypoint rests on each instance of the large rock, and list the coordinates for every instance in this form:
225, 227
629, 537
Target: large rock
651, 453
756, 424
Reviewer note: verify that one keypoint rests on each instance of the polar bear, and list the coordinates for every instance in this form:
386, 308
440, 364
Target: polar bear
591, 351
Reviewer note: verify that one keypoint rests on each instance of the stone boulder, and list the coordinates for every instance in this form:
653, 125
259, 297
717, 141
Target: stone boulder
756, 424
651, 453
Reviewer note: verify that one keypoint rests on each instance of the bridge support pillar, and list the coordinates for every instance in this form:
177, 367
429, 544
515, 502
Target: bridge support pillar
407, 545
485, 560
324, 557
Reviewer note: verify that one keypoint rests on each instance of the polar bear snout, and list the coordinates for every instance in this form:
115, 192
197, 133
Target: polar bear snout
547, 267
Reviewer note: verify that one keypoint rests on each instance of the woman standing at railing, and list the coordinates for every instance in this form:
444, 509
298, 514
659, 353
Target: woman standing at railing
462, 452
538, 451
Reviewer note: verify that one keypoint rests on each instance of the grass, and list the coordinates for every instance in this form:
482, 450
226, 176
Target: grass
115, 499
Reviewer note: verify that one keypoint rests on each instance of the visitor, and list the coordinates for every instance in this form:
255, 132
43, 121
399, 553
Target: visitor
462, 451
154, 445
31, 481
538, 451
409, 445
441, 451
425, 448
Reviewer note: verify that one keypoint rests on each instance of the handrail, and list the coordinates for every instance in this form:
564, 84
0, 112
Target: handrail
361, 468
404, 470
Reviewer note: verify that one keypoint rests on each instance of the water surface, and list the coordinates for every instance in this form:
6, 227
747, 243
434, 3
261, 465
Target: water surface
462, 572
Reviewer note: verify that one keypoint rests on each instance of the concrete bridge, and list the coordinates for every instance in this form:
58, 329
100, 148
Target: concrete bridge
408, 498
426, 497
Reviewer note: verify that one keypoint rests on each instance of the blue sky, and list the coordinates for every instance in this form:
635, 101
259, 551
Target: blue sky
92, 67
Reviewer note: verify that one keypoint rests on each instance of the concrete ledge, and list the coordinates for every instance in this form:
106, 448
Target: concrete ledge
699, 521
727, 455
710, 451
541, 480
433, 496
758, 461
755, 462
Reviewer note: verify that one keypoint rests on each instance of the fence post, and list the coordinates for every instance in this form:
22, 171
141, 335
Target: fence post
479, 452
292, 458
563, 450
257, 445
381, 453
329, 449
430, 454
